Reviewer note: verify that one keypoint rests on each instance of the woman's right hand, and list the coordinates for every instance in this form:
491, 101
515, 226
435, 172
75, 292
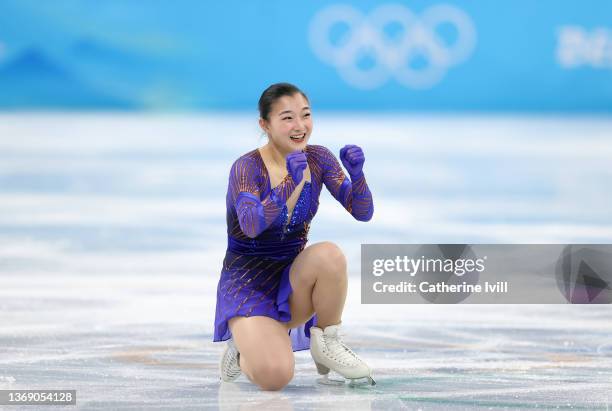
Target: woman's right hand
296, 164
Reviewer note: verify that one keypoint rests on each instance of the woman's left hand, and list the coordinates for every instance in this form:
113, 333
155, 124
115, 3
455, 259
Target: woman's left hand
352, 158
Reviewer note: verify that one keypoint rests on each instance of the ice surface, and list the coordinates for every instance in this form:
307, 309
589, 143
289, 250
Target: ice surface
112, 233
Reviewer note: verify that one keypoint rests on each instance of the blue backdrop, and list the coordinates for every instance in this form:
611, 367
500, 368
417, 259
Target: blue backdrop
517, 55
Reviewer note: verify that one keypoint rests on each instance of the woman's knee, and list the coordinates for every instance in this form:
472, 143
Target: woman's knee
265, 348
332, 258
272, 375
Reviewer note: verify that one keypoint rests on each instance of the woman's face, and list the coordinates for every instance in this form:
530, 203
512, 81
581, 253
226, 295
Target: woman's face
290, 117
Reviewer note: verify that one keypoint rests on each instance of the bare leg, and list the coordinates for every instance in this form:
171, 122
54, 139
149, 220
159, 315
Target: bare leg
318, 277
319, 281
266, 355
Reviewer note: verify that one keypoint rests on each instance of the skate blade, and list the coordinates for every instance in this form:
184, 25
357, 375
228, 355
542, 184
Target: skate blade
325, 380
353, 382
360, 382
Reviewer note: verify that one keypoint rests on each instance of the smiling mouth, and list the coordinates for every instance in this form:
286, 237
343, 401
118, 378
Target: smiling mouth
298, 138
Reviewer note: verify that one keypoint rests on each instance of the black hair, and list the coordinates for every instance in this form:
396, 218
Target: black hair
273, 93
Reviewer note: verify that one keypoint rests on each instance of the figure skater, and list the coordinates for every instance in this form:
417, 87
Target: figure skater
276, 296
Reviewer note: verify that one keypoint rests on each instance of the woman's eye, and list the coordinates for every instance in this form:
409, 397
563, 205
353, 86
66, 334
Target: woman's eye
307, 115
287, 118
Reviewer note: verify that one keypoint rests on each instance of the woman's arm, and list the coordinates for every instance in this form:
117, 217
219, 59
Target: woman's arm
255, 215
353, 194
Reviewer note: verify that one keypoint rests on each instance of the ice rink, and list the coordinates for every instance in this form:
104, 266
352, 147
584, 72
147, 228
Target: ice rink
112, 235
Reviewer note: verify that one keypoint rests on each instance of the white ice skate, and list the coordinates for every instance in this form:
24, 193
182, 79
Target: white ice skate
229, 366
329, 352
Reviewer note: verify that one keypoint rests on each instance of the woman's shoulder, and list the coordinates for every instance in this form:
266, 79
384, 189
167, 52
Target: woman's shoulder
248, 159
318, 151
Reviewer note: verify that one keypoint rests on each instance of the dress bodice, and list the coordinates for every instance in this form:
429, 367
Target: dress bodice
300, 211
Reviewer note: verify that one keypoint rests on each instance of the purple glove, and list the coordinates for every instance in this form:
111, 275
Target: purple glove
352, 158
296, 164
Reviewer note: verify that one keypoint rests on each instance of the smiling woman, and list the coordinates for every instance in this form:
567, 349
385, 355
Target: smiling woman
276, 295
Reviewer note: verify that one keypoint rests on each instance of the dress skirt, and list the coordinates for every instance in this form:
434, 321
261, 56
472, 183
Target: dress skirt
255, 285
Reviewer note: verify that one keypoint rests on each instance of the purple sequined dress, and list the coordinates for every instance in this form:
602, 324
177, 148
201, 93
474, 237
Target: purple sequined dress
262, 244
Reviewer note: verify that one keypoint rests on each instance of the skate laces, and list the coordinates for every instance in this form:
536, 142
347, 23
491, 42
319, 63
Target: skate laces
338, 349
231, 369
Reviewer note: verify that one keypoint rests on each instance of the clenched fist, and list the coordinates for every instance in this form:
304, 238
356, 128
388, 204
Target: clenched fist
296, 164
352, 158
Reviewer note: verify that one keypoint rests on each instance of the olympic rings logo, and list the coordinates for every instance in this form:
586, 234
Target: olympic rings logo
366, 37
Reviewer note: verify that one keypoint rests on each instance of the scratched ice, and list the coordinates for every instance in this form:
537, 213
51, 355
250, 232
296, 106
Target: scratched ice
112, 232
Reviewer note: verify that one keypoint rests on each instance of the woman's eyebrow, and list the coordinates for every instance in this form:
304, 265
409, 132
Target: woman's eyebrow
290, 111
